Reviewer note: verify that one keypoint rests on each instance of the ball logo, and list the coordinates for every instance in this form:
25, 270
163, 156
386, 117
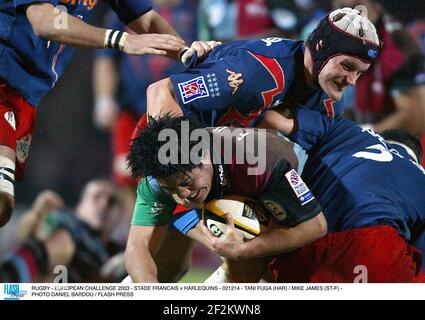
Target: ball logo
372, 53
215, 230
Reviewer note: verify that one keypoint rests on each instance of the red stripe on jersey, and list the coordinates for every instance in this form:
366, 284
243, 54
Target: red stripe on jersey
329, 105
275, 70
233, 116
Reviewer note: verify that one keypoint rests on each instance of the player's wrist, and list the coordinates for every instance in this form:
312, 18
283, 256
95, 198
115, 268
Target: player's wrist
181, 55
115, 39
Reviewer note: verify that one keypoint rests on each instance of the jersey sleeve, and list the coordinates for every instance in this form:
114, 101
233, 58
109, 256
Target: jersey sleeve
311, 128
153, 206
20, 4
288, 198
227, 80
129, 10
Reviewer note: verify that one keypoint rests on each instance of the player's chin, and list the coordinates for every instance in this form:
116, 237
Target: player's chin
199, 199
333, 91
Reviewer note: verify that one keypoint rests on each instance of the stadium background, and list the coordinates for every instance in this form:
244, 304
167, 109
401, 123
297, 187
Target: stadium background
67, 150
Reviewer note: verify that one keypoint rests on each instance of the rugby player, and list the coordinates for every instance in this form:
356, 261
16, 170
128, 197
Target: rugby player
218, 172
36, 43
371, 192
240, 80
79, 240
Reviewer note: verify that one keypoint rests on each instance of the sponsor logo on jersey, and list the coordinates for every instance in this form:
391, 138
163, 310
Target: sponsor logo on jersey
23, 148
193, 89
10, 118
301, 190
89, 4
157, 208
235, 80
295, 178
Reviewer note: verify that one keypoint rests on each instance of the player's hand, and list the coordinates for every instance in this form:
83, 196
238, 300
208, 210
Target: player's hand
228, 244
105, 113
152, 43
31, 222
47, 201
202, 49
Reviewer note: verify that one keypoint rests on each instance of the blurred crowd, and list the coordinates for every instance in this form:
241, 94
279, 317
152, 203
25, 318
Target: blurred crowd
88, 154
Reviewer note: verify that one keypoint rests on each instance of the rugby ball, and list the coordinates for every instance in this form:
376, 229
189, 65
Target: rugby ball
251, 218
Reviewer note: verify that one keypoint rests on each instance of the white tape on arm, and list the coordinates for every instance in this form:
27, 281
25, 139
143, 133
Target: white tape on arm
7, 175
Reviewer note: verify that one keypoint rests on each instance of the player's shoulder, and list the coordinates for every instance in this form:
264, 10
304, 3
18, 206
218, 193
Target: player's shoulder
148, 186
272, 46
275, 47
149, 191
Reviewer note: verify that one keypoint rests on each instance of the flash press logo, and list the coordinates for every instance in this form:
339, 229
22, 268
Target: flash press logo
13, 292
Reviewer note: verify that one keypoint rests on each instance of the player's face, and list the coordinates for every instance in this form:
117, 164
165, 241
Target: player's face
98, 205
191, 188
339, 72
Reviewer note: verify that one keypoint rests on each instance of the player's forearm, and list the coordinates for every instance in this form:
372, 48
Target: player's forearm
152, 22
278, 240
409, 114
105, 78
55, 25
140, 265
161, 99
278, 119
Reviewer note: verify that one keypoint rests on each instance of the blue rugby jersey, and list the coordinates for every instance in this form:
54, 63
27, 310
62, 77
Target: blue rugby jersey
33, 65
359, 179
240, 80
